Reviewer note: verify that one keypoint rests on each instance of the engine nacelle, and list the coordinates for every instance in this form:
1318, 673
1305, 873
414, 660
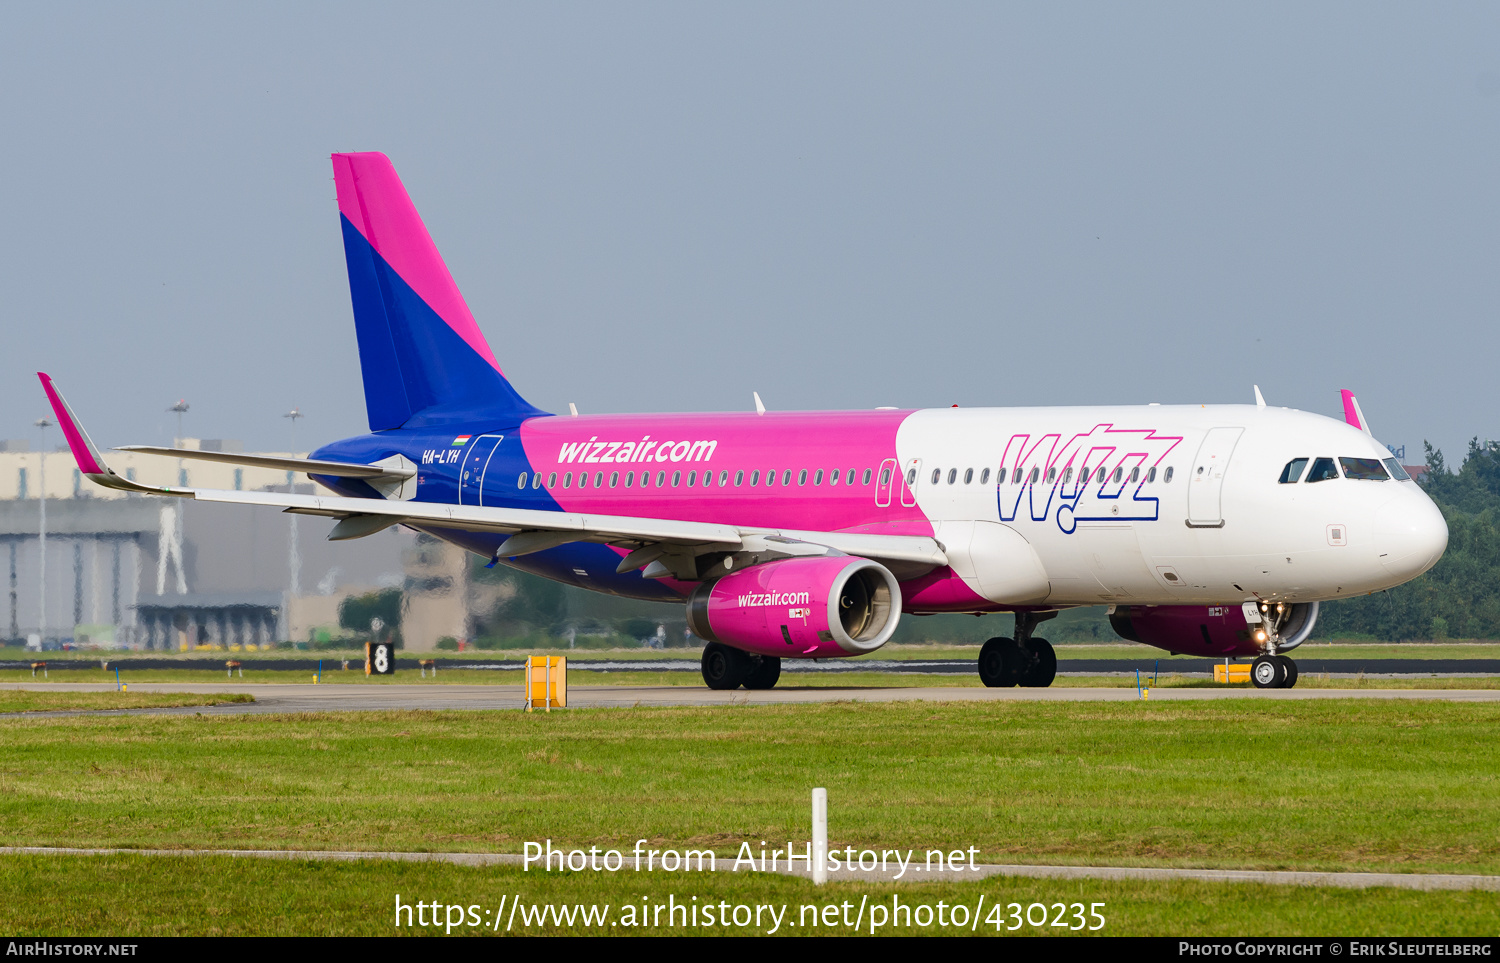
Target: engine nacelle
1214, 630
799, 608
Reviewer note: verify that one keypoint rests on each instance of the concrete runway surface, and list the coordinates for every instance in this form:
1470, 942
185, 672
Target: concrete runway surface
335, 697
1420, 881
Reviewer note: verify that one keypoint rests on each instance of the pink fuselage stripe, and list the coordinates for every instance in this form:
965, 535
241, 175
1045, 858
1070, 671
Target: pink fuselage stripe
1350, 414
80, 448
607, 447
372, 197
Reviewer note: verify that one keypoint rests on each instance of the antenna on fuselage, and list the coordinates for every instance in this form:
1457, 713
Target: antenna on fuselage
1260, 400
760, 407
572, 409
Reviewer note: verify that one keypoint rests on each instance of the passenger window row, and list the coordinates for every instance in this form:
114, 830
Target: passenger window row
830, 478
1035, 475
1359, 469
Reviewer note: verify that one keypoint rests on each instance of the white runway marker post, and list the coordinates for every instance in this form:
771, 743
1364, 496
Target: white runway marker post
820, 836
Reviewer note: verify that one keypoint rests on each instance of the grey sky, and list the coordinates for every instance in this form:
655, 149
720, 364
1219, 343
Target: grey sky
663, 207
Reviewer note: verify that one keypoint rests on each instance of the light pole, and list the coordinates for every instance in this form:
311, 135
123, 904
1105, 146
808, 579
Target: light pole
170, 541
294, 554
294, 414
181, 408
41, 478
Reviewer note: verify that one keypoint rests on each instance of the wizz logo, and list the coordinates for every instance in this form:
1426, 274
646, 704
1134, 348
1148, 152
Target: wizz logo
1102, 475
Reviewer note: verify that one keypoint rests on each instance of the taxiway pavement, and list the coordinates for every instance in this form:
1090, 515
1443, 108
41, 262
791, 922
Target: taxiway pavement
367, 697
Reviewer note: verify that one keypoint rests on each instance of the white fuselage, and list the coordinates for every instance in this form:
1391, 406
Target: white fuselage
1222, 528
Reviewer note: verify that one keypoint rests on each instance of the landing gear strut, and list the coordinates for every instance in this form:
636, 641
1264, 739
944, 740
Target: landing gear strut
1025, 660
1272, 670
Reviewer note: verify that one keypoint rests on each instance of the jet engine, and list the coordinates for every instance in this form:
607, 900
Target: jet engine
1216, 630
799, 608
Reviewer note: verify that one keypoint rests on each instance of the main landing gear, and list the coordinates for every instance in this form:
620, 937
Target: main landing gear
725, 667
1273, 672
1025, 660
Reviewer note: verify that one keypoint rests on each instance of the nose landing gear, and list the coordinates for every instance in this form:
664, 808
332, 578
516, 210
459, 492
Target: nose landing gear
1273, 672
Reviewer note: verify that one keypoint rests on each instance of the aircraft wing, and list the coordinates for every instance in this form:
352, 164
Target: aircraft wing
661, 546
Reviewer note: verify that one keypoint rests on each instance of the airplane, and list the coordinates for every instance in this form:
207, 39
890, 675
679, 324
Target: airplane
1212, 530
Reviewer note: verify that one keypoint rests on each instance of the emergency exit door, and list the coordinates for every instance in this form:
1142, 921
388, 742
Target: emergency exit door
476, 462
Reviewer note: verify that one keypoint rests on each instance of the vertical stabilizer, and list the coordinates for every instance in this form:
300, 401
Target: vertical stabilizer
422, 355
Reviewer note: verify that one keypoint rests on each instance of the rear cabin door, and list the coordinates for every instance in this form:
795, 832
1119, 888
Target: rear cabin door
476, 460
1206, 482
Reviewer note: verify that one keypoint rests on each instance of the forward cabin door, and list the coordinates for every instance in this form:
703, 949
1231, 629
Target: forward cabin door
1206, 481
476, 460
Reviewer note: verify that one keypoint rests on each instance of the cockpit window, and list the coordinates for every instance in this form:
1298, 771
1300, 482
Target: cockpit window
1322, 470
1293, 471
1364, 469
1397, 472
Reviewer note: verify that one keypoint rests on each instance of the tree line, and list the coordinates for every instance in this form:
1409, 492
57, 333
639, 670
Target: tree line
1460, 597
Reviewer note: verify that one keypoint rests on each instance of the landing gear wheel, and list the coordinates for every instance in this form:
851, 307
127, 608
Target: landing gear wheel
998, 663
1288, 672
1267, 673
1043, 668
725, 667
764, 671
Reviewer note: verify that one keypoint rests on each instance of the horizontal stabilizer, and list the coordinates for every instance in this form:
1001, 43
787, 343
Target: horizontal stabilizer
311, 466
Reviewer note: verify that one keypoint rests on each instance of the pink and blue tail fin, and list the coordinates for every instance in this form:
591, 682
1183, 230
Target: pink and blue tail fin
422, 355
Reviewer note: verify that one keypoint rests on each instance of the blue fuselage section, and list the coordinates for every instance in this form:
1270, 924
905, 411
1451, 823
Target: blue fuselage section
483, 464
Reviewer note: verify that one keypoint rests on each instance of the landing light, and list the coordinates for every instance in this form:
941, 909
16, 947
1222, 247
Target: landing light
1260, 636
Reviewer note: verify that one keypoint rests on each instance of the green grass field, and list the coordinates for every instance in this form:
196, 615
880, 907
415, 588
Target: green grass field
13, 700
222, 896
1344, 785
1320, 785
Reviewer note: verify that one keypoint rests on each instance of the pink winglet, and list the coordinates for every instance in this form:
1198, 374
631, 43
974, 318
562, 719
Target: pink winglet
372, 197
1351, 410
84, 451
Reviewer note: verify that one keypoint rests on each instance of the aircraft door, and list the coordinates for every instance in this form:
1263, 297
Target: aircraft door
884, 481
1206, 481
476, 460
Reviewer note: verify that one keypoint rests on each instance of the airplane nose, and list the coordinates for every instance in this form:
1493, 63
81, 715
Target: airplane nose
1411, 535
